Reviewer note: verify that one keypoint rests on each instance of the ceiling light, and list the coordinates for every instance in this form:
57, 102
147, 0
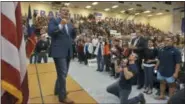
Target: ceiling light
159, 13
122, 11
107, 9
94, 3
149, 15
137, 13
147, 11
88, 6
115, 6
67, 4
131, 9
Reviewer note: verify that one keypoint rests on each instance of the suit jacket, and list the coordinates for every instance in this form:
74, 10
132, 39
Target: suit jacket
61, 42
141, 46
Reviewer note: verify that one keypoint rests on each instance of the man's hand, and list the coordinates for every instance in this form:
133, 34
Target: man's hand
155, 68
63, 22
175, 75
132, 47
75, 25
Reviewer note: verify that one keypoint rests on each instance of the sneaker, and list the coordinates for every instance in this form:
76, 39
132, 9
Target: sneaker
149, 92
142, 99
145, 90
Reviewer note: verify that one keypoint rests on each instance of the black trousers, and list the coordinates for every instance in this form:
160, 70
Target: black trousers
87, 56
80, 56
107, 62
140, 75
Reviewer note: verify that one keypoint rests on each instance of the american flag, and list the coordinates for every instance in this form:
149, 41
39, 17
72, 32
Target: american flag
31, 42
14, 79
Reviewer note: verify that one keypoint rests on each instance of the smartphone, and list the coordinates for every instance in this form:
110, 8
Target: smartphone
155, 71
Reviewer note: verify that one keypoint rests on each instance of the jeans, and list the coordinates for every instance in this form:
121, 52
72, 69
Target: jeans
62, 66
167, 79
100, 62
42, 55
123, 94
149, 73
33, 59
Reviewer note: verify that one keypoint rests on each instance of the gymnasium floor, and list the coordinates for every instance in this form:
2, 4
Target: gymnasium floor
84, 84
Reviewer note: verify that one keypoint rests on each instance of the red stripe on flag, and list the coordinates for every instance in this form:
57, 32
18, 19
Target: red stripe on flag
10, 74
19, 24
25, 89
8, 30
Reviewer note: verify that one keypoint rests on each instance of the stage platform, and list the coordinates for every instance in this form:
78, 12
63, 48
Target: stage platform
41, 86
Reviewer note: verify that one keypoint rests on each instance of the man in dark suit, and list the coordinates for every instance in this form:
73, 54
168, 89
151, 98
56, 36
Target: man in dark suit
138, 44
62, 35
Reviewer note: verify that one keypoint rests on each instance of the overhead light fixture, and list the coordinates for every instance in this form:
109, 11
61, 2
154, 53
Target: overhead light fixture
106, 9
149, 15
159, 13
115, 6
122, 11
131, 9
67, 4
147, 11
94, 3
88, 6
137, 13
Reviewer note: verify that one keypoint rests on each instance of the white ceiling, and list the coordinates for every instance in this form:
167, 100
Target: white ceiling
161, 6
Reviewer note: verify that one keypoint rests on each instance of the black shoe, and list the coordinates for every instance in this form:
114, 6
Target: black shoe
112, 75
139, 87
116, 77
142, 99
97, 70
55, 93
107, 70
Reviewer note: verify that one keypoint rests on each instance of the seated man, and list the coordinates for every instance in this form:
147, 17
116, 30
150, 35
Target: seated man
123, 87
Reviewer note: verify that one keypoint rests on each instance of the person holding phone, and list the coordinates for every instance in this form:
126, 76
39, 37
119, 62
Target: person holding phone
123, 87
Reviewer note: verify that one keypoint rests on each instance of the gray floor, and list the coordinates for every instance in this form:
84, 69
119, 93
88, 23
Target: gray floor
95, 84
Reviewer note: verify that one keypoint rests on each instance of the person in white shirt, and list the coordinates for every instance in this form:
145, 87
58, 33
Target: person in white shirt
94, 43
99, 54
88, 50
